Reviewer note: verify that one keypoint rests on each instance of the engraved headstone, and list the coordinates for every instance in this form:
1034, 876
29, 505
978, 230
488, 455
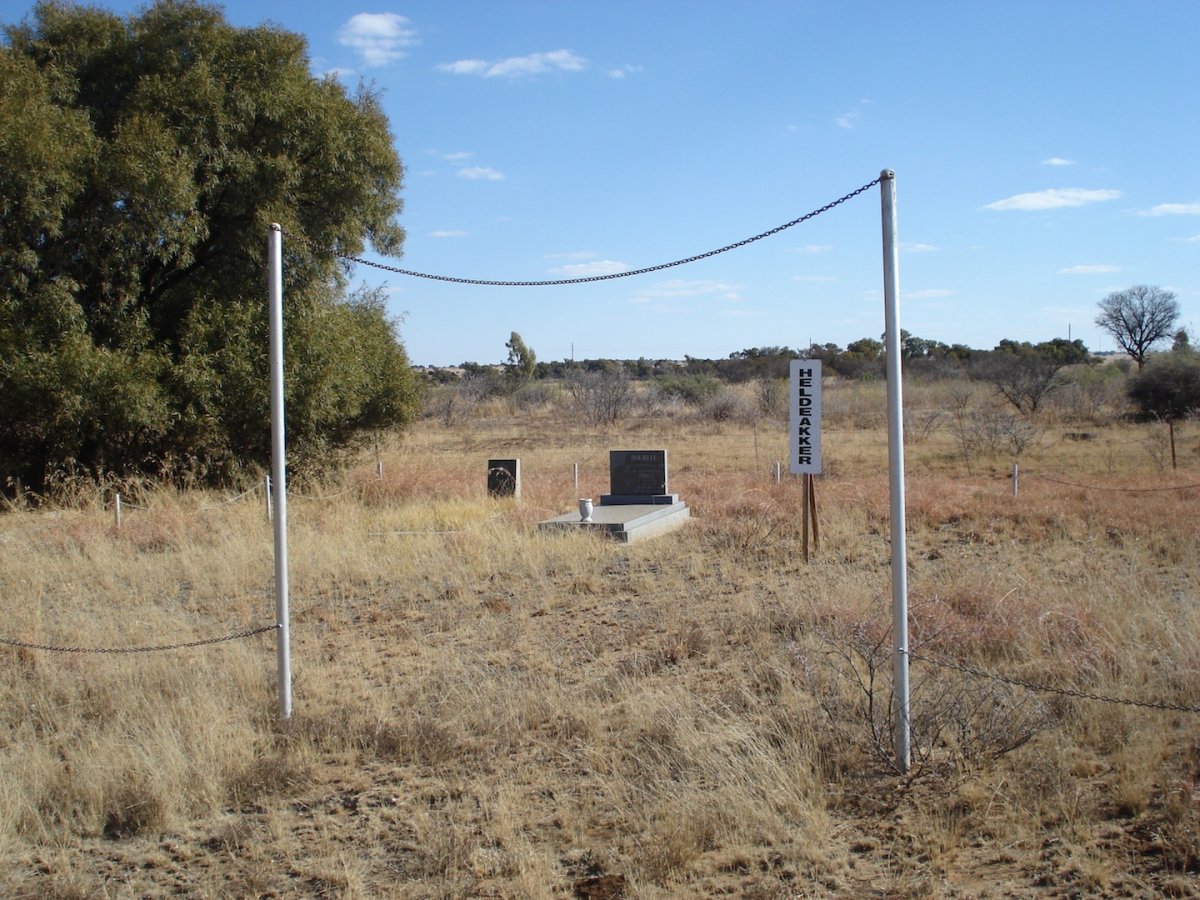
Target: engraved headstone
637, 477
504, 478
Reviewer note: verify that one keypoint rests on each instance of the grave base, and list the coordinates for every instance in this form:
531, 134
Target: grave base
626, 522
638, 499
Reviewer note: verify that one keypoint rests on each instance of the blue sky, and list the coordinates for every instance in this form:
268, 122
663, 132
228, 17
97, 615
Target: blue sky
1046, 153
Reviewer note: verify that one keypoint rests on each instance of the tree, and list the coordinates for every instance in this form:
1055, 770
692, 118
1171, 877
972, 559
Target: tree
601, 397
1168, 389
1138, 318
141, 162
522, 361
1026, 374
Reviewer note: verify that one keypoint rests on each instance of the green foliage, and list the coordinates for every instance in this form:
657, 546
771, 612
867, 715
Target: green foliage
1168, 387
142, 161
758, 362
693, 389
1026, 374
522, 361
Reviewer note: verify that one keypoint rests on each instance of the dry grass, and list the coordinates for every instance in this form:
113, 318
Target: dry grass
483, 709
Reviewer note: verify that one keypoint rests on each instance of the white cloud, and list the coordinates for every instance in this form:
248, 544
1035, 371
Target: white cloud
587, 269
480, 173
679, 287
1054, 198
1194, 239
571, 254
448, 234
465, 67
1173, 209
850, 118
458, 156
1099, 269
379, 38
812, 248
518, 66
912, 247
1058, 161
624, 71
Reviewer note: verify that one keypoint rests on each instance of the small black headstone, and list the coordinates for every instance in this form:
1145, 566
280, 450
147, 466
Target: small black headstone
504, 478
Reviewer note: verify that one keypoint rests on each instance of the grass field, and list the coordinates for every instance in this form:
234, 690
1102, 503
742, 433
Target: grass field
485, 709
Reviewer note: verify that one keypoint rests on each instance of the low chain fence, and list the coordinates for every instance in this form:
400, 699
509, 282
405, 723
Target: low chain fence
1037, 687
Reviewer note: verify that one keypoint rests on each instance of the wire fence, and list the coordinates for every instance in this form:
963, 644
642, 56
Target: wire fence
1109, 487
1042, 688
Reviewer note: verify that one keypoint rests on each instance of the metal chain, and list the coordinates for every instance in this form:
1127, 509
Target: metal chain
1047, 689
1099, 487
613, 275
217, 640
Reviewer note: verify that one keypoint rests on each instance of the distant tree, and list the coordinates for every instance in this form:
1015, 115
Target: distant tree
693, 389
522, 361
863, 358
913, 347
1026, 374
758, 362
1168, 389
1181, 341
142, 160
601, 397
1138, 318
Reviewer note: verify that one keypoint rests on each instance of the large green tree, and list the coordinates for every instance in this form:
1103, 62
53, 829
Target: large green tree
142, 160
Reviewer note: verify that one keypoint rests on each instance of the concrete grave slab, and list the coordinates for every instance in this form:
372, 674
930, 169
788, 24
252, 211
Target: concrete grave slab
627, 522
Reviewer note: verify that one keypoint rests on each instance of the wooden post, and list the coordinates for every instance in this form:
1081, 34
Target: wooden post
812, 502
804, 518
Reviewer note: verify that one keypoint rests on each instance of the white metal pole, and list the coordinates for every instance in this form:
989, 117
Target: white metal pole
279, 472
575, 467
1016, 475
891, 301
117, 509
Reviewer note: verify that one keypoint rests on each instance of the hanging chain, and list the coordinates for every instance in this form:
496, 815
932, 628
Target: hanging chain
216, 640
611, 276
1101, 487
1047, 689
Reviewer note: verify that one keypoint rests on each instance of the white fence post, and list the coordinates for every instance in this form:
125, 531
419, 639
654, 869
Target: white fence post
279, 472
891, 302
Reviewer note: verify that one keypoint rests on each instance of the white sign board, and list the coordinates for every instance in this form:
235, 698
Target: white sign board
805, 418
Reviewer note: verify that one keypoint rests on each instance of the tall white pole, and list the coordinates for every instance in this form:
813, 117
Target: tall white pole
891, 301
279, 472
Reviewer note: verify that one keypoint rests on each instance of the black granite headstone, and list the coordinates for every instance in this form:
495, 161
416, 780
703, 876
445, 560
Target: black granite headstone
637, 477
